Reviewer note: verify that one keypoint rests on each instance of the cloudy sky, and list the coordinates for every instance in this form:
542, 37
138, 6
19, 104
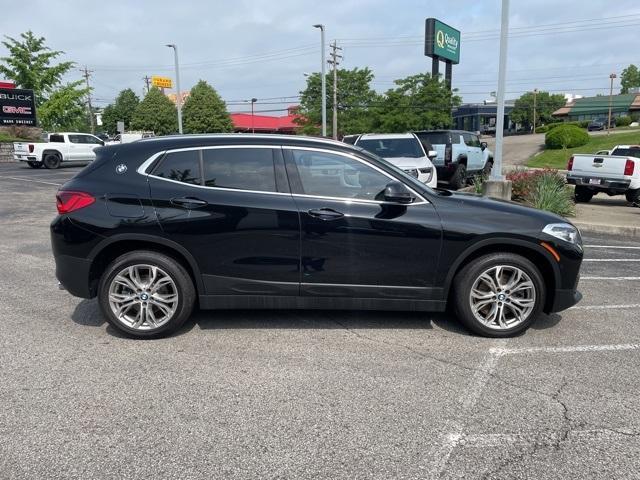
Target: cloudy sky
262, 49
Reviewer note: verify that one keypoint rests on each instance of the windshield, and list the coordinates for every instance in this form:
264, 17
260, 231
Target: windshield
393, 147
627, 152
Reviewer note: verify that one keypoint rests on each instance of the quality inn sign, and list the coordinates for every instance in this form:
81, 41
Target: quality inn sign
442, 41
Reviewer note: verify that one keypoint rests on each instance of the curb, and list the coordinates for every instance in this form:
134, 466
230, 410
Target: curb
633, 232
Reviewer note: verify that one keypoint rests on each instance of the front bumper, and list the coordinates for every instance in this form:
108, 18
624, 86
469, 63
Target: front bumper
605, 183
564, 299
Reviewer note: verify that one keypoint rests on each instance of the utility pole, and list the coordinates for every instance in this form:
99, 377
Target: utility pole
86, 73
253, 101
147, 80
612, 76
535, 97
178, 94
334, 62
323, 79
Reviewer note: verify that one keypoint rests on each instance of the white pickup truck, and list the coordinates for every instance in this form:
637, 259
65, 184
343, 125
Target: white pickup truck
60, 148
615, 172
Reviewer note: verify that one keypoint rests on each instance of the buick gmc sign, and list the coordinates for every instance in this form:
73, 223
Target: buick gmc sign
17, 107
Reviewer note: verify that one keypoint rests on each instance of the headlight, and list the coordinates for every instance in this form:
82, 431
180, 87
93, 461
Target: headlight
564, 231
428, 171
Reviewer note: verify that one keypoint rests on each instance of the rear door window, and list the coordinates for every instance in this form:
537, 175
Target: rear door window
56, 138
181, 166
240, 168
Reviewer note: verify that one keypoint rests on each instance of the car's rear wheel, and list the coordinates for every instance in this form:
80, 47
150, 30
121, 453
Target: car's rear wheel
633, 196
583, 194
51, 160
34, 164
498, 295
459, 178
146, 294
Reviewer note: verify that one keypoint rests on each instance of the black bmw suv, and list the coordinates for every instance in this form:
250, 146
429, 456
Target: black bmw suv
155, 227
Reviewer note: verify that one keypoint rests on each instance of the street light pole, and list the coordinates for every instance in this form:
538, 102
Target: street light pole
323, 80
535, 97
178, 97
612, 77
253, 100
496, 172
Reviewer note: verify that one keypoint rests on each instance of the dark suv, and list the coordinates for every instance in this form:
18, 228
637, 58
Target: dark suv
155, 227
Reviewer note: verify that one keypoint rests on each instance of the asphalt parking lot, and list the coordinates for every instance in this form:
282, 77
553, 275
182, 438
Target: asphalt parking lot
282, 394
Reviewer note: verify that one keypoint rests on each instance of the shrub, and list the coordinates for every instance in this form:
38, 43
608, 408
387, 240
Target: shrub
522, 182
566, 136
550, 193
477, 182
623, 121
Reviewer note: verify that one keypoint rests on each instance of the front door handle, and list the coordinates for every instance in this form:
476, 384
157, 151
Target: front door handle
325, 213
188, 202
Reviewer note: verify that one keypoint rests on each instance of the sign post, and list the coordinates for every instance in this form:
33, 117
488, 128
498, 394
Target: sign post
441, 42
17, 107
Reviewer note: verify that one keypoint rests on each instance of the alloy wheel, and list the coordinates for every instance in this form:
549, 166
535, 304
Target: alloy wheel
502, 297
143, 297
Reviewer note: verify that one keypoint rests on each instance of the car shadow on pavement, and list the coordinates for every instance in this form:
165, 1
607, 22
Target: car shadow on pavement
87, 313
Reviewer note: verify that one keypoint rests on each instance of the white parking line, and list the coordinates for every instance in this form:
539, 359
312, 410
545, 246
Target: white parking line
30, 180
604, 307
569, 349
484, 440
612, 246
611, 260
609, 278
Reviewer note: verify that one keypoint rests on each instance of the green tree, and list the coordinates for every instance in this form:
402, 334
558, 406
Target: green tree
205, 112
629, 78
546, 104
65, 109
418, 102
29, 65
355, 99
155, 113
121, 110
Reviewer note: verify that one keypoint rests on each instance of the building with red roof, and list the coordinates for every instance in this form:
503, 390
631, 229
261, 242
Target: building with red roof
246, 122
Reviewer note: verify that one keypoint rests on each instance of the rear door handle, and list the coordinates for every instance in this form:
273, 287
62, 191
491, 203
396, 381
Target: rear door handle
188, 202
325, 213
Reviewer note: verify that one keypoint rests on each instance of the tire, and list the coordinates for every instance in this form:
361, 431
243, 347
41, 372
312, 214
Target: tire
178, 294
633, 196
533, 296
459, 178
35, 164
51, 161
486, 171
583, 194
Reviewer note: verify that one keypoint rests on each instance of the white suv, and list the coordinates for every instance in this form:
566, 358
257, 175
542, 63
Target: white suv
404, 150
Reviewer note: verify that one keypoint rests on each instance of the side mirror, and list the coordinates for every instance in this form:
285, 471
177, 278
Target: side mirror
483, 145
431, 154
102, 142
398, 192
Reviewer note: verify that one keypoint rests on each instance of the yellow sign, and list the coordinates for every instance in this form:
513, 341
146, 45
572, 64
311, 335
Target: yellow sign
161, 82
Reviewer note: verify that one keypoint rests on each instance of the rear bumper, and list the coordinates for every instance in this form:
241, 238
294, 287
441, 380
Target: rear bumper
25, 158
605, 183
565, 299
73, 275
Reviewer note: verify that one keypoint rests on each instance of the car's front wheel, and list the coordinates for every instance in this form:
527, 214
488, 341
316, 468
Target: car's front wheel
146, 294
498, 295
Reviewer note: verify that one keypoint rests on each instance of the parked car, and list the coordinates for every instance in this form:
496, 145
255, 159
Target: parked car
129, 137
600, 124
405, 151
154, 227
67, 147
615, 173
460, 155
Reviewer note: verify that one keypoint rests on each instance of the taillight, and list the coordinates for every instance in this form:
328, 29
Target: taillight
629, 166
447, 153
69, 201
570, 163
31, 147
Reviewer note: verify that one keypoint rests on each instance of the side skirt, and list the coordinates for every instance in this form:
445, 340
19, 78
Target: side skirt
222, 302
